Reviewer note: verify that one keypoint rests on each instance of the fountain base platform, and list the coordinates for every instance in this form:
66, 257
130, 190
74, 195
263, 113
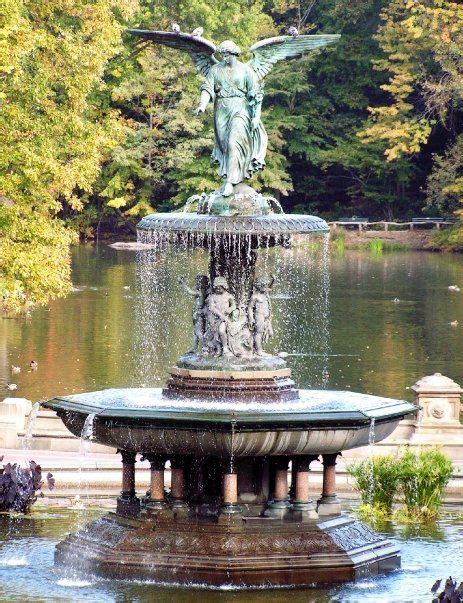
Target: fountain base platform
243, 552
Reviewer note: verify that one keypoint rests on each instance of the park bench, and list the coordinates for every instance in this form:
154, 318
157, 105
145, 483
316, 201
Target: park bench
435, 221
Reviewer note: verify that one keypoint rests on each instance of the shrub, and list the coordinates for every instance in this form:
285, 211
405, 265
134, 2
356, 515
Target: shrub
423, 477
18, 486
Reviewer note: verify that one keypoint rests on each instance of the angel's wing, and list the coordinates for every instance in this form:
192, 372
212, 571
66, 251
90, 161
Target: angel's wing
200, 50
268, 52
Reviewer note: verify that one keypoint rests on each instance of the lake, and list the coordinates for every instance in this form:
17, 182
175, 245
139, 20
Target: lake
369, 323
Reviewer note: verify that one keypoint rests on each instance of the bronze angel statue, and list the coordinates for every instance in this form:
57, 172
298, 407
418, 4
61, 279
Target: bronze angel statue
236, 90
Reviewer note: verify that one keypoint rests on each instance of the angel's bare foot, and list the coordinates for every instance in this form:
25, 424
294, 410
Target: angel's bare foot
227, 189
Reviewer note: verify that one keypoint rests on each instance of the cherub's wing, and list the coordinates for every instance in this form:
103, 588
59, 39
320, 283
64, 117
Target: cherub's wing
268, 52
200, 50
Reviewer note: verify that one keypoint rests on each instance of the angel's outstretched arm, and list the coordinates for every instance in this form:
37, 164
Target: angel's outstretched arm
203, 102
207, 93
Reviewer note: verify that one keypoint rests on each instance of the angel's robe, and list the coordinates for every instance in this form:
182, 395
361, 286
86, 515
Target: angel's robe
239, 149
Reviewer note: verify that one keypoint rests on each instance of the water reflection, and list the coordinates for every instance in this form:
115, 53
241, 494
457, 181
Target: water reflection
92, 339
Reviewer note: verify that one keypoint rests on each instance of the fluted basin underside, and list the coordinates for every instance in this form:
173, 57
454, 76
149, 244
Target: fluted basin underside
273, 228
142, 419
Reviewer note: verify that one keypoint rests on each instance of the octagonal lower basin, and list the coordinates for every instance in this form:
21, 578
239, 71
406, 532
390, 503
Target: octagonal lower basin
143, 420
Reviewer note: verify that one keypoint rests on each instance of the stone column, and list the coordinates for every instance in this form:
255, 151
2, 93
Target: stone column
302, 506
329, 503
177, 486
157, 498
230, 508
279, 505
128, 504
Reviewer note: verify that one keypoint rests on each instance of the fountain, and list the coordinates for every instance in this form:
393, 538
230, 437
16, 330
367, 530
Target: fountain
230, 420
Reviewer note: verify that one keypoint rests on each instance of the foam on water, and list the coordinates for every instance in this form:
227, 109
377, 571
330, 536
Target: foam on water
73, 583
13, 562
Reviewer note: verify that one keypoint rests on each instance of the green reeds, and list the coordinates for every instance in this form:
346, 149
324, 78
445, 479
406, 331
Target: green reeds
417, 478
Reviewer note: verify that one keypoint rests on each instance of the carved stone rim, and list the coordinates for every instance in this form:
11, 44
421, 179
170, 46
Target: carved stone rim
271, 225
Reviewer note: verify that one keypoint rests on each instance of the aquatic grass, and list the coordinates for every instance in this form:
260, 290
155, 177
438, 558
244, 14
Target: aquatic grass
379, 246
338, 240
423, 477
419, 478
377, 481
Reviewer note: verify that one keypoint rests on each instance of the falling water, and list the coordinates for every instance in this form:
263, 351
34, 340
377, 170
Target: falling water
28, 436
162, 319
305, 267
371, 477
86, 438
87, 429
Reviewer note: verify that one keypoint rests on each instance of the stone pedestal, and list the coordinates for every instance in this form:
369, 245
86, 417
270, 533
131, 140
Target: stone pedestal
254, 552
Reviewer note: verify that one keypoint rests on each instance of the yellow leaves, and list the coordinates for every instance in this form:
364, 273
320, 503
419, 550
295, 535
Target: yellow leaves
445, 35
53, 54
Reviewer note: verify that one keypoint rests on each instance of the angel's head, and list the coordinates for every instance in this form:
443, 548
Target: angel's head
229, 50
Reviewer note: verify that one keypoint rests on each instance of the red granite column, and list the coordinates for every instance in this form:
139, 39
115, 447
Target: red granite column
329, 503
177, 486
157, 497
230, 506
279, 504
128, 504
301, 501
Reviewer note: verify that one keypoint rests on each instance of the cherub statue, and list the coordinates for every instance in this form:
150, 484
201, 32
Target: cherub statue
260, 313
238, 334
200, 293
237, 92
220, 306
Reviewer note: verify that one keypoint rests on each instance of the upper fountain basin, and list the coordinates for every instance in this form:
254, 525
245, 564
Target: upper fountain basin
319, 422
272, 228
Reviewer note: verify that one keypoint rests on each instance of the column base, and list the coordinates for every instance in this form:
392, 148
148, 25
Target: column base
230, 513
157, 508
277, 509
303, 511
128, 506
180, 508
328, 505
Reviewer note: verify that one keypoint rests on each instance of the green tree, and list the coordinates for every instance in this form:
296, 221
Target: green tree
55, 132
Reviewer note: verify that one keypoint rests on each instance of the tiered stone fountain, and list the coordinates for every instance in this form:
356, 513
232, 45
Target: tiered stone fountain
230, 421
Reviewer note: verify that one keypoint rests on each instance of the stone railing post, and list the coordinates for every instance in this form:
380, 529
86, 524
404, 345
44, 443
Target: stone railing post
440, 400
439, 422
13, 413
